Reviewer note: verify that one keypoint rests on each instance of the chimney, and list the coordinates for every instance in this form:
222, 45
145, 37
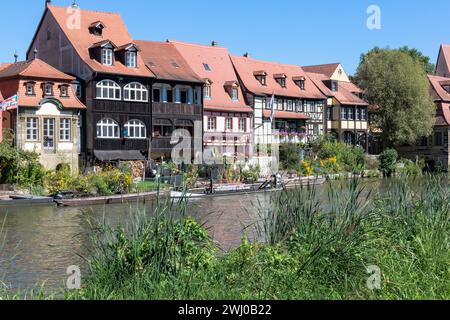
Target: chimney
214, 44
35, 53
16, 56
246, 55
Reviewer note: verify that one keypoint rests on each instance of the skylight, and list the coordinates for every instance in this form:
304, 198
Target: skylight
206, 66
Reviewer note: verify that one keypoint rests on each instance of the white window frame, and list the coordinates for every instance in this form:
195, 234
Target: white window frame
212, 123
103, 127
65, 130
228, 124
108, 85
30, 86
138, 128
48, 89
32, 129
64, 90
234, 94
131, 59
207, 92
243, 124
136, 88
107, 56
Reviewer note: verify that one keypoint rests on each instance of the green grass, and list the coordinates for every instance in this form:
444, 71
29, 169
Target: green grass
313, 249
148, 186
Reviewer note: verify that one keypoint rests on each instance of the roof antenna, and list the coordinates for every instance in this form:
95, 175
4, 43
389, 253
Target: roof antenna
16, 56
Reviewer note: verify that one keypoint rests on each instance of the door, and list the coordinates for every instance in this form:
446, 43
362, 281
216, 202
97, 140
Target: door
49, 135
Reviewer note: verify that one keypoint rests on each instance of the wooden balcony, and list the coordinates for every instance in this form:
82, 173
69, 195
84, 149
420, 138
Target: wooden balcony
121, 144
178, 110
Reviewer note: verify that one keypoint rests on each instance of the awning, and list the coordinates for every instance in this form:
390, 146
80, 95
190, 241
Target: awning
123, 155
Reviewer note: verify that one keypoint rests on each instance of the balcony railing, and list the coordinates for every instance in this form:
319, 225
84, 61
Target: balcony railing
179, 109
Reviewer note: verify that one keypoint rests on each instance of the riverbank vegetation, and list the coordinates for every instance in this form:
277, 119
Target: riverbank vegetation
301, 248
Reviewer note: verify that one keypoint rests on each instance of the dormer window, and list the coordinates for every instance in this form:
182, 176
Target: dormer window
232, 88
96, 28
107, 56
281, 79
300, 82
64, 90
29, 86
261, 76
131, 59
234, 94
48, 89
76, 86
334, 86
446, 88
207, 89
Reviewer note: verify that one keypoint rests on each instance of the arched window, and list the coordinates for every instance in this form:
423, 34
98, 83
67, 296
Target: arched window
108, 89
135, 91
108, 129
135, 129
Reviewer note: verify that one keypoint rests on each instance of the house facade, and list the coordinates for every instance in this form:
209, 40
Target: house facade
177, 99
434, 150
347, 115
228, 120
47, 120
111, 78
299, 105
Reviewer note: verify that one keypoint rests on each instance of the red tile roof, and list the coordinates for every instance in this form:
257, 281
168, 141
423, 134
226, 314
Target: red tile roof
221, 71
446, 112
246, 68
114, 31
326, 69
285, 115
163, 59
14, 77
343, 95
437, 91
35, 68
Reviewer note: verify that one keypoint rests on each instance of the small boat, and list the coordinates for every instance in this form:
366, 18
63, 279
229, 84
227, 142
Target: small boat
114, 199
27, 200
268, 186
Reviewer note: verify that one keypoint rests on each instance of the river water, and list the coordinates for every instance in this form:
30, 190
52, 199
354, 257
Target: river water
38, 244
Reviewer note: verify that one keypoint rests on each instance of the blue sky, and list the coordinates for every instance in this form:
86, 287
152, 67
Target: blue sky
289, 31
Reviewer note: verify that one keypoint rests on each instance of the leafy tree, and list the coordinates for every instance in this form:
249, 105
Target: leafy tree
415, 54
397, 84
388, 162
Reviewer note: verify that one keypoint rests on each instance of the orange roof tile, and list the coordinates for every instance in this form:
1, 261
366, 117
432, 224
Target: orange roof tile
35, 68
246, 68
199, 58
437, 91
114, 31
326, 69
163, 59
343, 95
285, 115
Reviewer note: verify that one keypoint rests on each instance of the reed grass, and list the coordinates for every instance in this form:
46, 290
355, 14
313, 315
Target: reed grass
311, 246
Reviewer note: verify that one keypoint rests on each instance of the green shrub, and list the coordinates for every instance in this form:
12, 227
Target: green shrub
290, 156
351, 158
20, 167
388, 161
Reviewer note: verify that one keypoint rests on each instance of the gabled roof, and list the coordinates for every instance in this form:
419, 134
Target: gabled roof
199, 58
163, 59
344, 95
444, 53
246, 68
82, 39
326, 69
437, 91
35, 68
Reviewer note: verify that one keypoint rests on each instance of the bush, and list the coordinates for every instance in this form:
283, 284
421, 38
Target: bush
351, 158
20, 167
388, 161
290, 156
